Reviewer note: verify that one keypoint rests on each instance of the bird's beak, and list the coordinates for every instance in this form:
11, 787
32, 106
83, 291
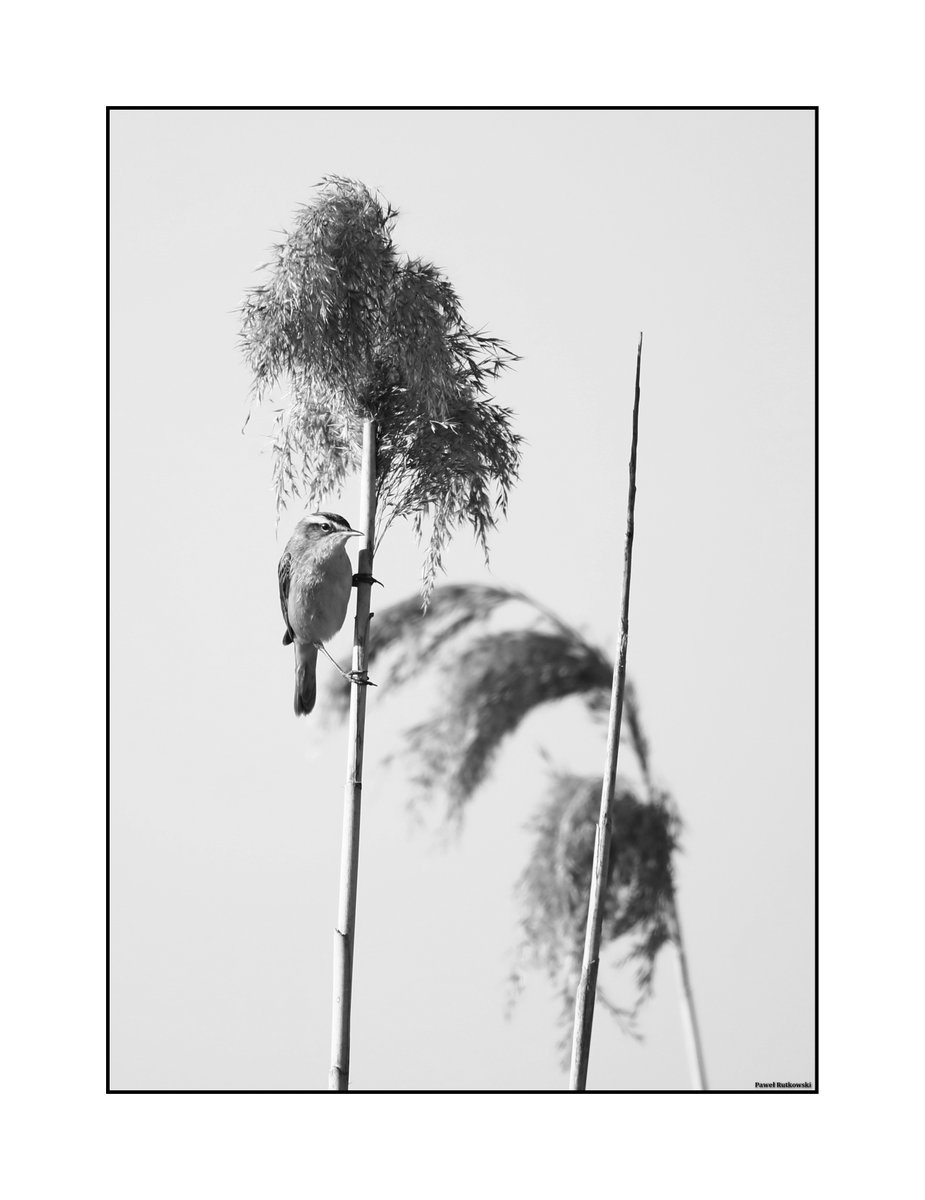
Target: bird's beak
352, 533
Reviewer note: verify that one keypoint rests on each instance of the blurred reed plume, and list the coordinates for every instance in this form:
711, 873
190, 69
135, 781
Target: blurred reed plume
494, 681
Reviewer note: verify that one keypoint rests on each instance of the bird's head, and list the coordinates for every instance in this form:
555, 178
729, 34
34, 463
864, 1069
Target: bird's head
325, 532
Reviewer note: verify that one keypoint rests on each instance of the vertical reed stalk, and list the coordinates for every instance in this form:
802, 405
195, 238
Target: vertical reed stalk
688, 1012
344, 934
587, 984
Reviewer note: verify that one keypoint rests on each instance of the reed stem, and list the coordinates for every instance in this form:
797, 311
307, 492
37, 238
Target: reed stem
344, 934
587, 984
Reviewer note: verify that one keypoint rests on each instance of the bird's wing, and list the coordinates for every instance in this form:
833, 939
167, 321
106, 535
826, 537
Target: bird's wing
285, 572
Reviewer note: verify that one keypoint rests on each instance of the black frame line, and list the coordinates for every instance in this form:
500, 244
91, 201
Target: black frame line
467, 108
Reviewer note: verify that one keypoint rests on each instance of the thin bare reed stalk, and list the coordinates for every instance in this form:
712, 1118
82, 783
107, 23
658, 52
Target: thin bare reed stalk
344, 934
688, 1011
587, 984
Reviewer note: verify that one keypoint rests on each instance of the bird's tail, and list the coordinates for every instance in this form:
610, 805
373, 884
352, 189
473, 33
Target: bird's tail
306, 656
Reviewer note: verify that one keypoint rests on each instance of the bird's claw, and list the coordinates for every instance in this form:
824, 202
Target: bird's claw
360, 678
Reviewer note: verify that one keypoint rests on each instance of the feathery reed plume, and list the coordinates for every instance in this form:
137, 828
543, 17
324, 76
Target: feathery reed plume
358, 333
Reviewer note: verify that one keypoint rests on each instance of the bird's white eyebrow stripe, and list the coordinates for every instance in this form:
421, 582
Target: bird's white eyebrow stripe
327, 519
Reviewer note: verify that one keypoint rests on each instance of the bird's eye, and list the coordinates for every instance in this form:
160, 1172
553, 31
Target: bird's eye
326, 527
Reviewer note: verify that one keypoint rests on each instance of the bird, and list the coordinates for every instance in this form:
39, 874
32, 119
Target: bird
315, 579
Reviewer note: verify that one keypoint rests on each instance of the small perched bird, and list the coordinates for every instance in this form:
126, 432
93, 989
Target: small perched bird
315, 578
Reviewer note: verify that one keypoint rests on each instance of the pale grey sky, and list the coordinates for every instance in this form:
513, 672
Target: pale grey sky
565, 233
